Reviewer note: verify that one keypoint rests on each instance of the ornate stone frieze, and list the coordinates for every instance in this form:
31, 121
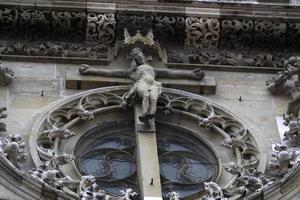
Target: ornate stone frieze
293, 35
169, 29
68, 25
54, 49
236, 33
202, 32
8, 22
34, 24
232, 58
134, 22
269, 34
100, 28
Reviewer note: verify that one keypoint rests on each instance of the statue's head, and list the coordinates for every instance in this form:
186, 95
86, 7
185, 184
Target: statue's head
138, 56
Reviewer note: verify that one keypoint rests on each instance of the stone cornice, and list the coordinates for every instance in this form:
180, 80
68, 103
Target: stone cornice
243, 9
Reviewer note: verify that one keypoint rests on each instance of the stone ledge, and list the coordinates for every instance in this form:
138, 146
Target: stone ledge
76, 81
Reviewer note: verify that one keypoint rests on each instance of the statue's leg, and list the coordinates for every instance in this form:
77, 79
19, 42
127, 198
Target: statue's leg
146, 103
143, 92
154, 93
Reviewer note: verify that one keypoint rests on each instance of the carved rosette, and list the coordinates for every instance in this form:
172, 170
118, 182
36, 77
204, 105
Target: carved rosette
100, 28
269, 34
237, 34
68, 24
202, 33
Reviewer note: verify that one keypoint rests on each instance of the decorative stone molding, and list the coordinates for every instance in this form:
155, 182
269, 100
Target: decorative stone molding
54, 49
227, 58
202, 33
100, 28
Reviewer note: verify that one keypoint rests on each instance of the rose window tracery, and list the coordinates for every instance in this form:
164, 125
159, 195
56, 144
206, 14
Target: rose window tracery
197, 141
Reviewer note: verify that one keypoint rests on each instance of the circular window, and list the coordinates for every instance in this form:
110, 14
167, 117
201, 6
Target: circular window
185, 161
108, 153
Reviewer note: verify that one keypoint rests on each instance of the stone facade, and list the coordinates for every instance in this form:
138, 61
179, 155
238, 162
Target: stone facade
49, 106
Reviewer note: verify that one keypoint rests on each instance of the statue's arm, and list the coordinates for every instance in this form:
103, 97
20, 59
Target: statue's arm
195, 74
86, 70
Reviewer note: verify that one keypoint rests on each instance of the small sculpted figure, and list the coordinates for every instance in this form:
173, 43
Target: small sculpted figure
6, 75
145, 86
213, 191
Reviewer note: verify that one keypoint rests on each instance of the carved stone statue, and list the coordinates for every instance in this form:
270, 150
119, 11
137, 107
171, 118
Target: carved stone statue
294, 126
6, 75
89, 190
145, 86
58, 160
49, 173
62, 133
283, 160
2, 115
172, 196
213, 192
12, 147
286, 79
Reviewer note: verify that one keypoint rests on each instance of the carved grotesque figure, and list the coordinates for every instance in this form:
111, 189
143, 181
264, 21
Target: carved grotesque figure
286, 78
282, 161
294, 126
6, 75
172, 196
13, 148
89, 190
213, 191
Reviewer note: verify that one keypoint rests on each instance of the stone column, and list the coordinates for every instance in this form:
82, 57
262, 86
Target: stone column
147, 159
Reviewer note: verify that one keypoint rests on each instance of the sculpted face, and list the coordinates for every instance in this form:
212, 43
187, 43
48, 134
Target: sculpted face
138, 55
